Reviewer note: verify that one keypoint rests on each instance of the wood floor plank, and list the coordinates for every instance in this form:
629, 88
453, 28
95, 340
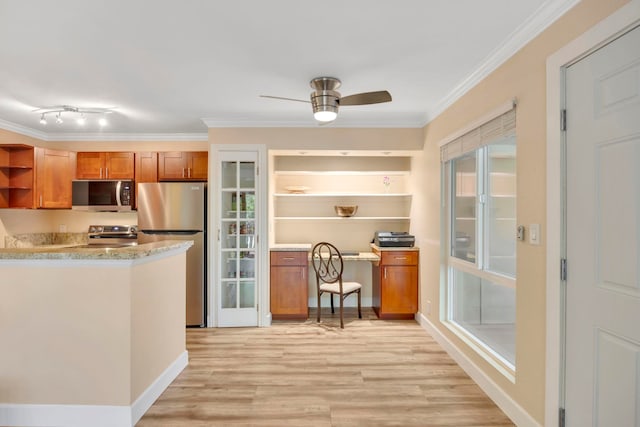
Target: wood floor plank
301, 373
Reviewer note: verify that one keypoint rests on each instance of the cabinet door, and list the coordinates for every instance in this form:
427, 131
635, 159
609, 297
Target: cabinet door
199, 165
146, 169
54, 173
172, 165
399, 290
90, 165
289, 292
119, 165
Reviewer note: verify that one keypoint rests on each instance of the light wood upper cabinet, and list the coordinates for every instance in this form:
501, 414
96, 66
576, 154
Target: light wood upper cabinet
183, 166
105, 165
146, 167
54, 172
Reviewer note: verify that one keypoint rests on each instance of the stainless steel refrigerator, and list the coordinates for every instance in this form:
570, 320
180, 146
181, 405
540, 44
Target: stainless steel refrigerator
177, 211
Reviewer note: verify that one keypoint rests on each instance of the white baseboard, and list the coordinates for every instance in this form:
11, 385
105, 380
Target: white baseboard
146, 399
510, 407
92, 415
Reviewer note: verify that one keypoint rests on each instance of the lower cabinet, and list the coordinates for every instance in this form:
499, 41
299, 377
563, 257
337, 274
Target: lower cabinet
395, 284
289, 285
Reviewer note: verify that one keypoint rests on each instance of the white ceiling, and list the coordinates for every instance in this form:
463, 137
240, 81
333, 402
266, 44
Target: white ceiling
173, 67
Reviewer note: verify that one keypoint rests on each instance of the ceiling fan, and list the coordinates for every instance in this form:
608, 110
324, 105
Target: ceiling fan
325, 100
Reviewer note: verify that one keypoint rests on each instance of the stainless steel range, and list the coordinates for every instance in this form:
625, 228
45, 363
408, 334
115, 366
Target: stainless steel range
112, 236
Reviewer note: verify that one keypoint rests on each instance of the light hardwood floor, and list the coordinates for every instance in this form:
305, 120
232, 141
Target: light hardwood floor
372, 373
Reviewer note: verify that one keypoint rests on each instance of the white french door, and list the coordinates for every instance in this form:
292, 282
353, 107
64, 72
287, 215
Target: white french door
602, 363
238, 254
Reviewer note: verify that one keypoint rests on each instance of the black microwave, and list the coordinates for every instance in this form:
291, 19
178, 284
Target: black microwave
102, 195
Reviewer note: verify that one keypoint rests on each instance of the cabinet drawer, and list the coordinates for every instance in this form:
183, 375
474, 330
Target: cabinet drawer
399, 258
289, 258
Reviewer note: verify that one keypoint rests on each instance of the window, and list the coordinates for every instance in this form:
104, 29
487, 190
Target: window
480, 205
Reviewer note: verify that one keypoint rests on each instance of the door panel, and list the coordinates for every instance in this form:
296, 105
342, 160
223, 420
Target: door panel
603, 236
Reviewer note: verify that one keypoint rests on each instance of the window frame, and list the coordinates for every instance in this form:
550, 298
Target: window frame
479, 268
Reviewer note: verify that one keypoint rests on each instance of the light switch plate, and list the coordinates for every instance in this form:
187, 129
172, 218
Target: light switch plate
534, 234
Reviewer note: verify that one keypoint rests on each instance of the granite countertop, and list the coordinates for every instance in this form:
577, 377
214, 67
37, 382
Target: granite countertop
83, 253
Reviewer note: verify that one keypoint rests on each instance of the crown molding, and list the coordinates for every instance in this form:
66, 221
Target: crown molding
394, 123
91, 136
546, 15
98, 136
22, 130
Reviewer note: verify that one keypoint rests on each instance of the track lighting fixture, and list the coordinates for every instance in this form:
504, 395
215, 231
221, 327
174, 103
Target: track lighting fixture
78, 113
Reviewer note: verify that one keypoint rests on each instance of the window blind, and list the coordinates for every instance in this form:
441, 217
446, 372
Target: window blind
497, 128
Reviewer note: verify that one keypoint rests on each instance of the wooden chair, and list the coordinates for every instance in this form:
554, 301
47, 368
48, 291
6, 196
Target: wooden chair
328, 265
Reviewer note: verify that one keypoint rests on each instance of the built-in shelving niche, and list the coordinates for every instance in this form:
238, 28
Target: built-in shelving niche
306, 189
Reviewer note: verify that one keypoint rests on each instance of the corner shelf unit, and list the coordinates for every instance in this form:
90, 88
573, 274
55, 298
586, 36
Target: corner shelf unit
16, 176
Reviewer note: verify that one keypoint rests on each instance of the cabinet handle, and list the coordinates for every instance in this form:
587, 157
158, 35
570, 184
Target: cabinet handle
302, 270
41, 200
189, 172
183, 172
400, 257
385, 272
288, 258
100, 172
106, 173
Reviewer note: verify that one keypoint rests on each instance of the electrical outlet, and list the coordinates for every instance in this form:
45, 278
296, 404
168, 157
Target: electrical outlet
428, 309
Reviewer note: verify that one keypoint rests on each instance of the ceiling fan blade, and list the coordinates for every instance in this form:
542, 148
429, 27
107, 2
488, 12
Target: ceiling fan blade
285, 99
366, 98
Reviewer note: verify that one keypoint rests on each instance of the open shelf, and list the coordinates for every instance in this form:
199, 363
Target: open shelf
16, 176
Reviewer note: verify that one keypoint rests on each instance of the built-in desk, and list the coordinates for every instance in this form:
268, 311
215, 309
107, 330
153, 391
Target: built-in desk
390, 285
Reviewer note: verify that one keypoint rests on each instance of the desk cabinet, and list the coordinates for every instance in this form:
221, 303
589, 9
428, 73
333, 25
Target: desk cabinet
289, 285
395, 284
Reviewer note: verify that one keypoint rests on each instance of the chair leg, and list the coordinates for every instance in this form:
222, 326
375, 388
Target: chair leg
331, 296
359, 304
341, 310
318, 315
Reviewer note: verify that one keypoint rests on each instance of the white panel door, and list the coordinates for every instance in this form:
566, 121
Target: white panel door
602, 371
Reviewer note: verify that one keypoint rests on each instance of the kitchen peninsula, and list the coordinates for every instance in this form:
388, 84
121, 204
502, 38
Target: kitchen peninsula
89, 336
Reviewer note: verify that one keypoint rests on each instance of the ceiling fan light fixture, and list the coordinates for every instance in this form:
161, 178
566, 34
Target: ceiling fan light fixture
59, 119
43, 120
325, 105
325, 115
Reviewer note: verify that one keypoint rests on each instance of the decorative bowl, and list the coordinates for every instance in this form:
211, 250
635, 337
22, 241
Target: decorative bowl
297, 189
346, 211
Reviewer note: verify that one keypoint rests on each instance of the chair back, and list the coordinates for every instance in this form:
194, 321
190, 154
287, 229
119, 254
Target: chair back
327, 262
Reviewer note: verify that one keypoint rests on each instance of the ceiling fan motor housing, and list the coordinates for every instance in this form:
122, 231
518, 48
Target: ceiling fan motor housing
325, 100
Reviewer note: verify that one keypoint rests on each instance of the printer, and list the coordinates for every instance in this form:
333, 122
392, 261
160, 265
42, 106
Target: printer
387, 239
